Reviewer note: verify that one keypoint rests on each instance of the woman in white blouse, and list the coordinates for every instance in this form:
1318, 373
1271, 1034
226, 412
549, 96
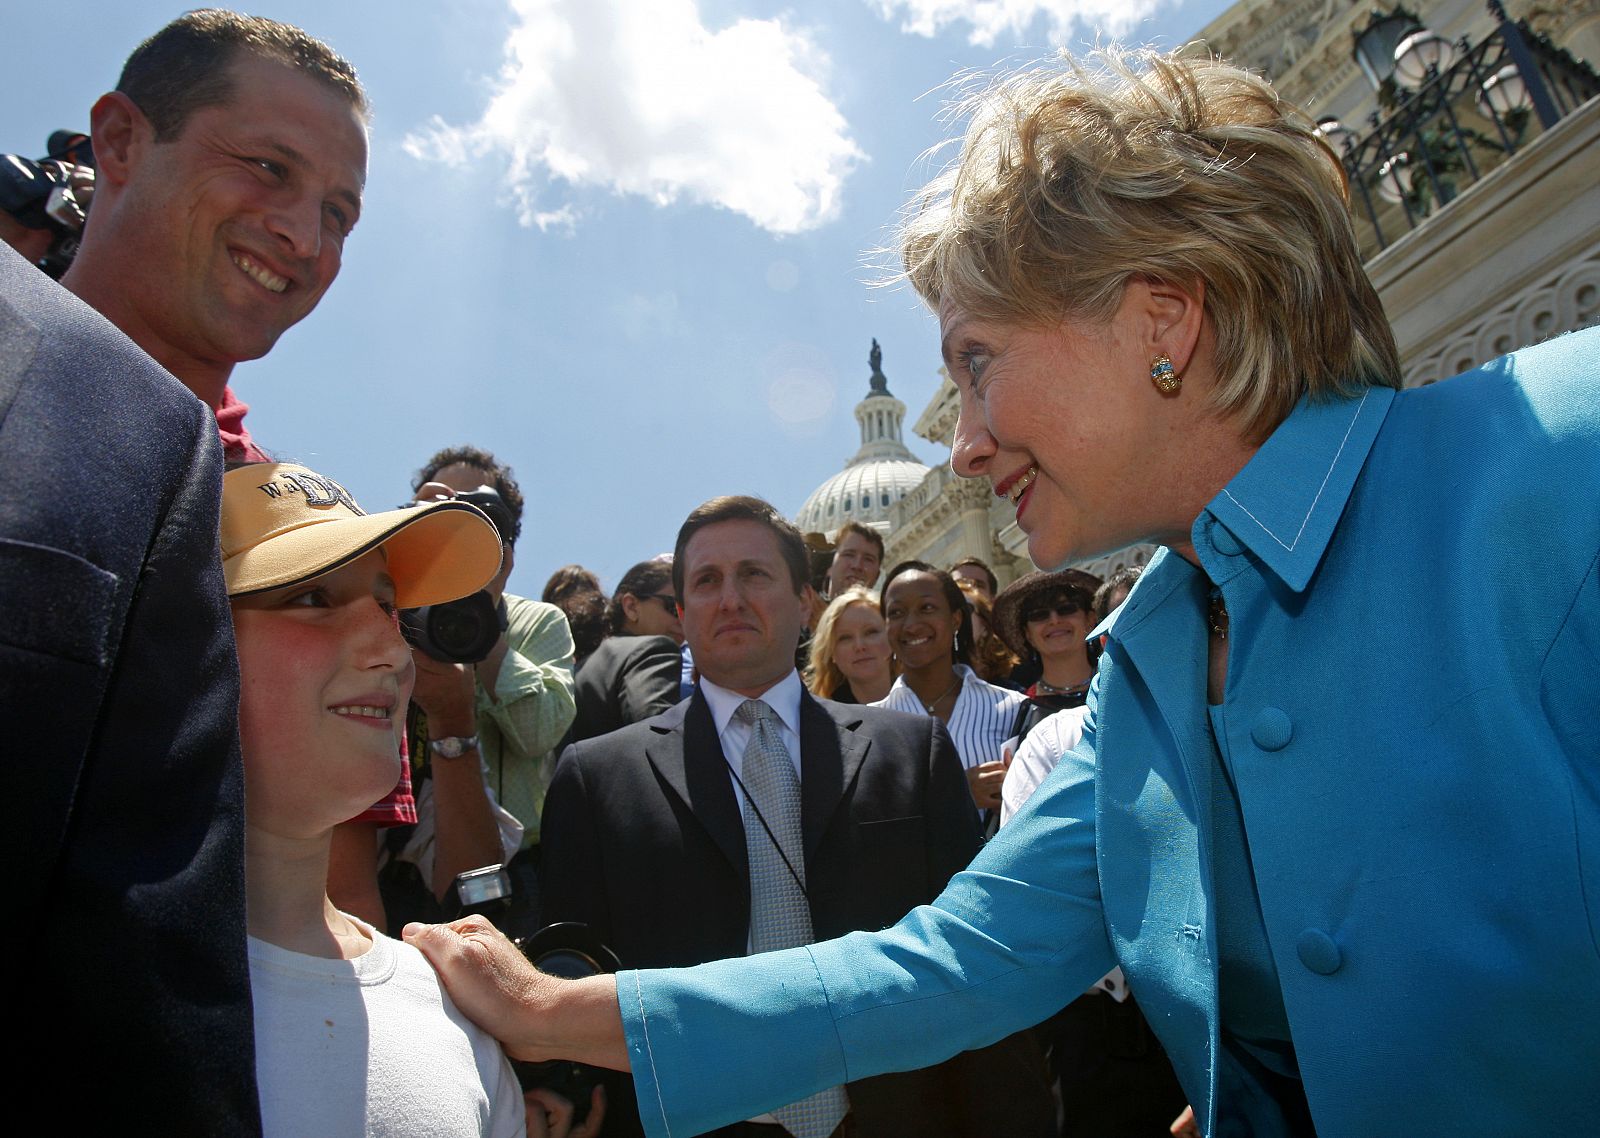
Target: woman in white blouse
930, 630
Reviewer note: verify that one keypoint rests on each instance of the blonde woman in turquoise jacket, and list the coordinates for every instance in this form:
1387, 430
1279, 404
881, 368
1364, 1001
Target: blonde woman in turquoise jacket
1337, 808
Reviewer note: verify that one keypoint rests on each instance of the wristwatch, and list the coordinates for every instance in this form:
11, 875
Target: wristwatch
453, 746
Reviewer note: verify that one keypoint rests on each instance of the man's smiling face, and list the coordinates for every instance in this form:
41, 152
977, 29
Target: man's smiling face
243, 216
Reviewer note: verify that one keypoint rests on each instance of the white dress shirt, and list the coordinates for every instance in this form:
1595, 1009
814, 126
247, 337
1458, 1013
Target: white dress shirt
784, 699
734, 733
980, 721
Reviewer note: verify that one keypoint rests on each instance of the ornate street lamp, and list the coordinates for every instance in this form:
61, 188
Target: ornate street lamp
1394, 178
1421, 56
1376, 43
1505, 92
1338, 136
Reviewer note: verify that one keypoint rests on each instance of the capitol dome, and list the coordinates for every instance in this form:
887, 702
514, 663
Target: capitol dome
879, 475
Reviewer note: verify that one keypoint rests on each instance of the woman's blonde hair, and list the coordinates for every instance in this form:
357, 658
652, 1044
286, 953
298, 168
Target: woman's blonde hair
823, 676
1073, 181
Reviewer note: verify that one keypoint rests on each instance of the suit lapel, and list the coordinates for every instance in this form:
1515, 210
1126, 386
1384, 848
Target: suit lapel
688, 756
831, 752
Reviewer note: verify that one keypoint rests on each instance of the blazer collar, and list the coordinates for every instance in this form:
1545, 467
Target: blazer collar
1285, 504
702, 783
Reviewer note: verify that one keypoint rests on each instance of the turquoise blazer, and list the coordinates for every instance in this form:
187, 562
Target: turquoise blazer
1412, 718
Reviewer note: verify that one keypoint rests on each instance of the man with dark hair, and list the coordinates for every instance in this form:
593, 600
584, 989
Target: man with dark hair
210, 235
857, 558
752, 816
231, 161
975, 570
637, 672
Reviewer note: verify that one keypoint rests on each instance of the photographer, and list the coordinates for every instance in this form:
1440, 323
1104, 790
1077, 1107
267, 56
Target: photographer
504, 714
44, 202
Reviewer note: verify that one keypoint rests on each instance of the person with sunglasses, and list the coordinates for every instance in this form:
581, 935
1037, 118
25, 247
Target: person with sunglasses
636, 672
1045, 619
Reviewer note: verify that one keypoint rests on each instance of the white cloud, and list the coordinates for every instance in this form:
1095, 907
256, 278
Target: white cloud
639, 97
988, 20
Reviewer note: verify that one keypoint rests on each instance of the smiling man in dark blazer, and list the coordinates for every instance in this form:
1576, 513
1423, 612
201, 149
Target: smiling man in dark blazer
680, 839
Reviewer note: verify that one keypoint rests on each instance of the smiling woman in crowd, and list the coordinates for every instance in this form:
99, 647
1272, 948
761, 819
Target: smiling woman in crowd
931, 629
1355, 891
851, 661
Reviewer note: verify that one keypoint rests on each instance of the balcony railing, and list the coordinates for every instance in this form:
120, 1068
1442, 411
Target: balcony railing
1424, 147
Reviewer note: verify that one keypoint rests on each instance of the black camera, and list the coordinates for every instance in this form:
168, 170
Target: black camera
52, 193
463, 631
571, 951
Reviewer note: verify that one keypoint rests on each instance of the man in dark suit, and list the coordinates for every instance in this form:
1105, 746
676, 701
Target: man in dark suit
710, 830
231, 162
119, 688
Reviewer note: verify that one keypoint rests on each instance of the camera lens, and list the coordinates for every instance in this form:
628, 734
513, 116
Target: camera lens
455, 630
460, 632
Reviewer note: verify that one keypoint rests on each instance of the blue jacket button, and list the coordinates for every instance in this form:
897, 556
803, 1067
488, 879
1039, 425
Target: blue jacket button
1318, 952
1223, 541
1272, 729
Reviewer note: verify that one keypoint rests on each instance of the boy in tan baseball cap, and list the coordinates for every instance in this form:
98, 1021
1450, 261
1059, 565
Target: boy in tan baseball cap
345, 1017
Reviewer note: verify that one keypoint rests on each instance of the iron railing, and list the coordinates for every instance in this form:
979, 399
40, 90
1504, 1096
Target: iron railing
1423, 147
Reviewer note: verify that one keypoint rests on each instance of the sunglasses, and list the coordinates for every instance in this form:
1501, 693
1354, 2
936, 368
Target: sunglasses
668, 602
1061, 607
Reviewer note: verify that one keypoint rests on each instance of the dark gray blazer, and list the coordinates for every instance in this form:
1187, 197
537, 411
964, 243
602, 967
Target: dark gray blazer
643, 841
119, 692
626, 679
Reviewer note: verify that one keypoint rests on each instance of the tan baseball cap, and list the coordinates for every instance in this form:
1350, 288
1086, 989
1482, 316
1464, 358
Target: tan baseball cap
283, 524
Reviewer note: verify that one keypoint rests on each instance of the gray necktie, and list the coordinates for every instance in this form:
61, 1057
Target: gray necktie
780, 917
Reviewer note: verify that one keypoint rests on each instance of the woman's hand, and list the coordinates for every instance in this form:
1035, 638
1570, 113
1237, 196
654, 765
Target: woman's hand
1184, 1125
985, 780
536, 1017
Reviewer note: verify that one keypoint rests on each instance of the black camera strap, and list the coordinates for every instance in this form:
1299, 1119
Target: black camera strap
750, 804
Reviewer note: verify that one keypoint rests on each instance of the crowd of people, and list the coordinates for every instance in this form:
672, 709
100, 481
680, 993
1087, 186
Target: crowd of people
1067, 857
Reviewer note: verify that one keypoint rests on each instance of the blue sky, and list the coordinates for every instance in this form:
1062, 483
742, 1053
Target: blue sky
620, 243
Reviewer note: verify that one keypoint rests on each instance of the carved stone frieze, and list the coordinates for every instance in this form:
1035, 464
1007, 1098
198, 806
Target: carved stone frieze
1565, 302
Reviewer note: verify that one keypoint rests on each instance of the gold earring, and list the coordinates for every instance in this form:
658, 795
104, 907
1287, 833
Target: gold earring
1165, 376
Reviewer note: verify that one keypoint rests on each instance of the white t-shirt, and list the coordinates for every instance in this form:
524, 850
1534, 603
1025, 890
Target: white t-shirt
372, 1046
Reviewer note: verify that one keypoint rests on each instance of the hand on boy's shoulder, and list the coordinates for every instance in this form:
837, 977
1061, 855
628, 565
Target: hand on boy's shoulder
486, 975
